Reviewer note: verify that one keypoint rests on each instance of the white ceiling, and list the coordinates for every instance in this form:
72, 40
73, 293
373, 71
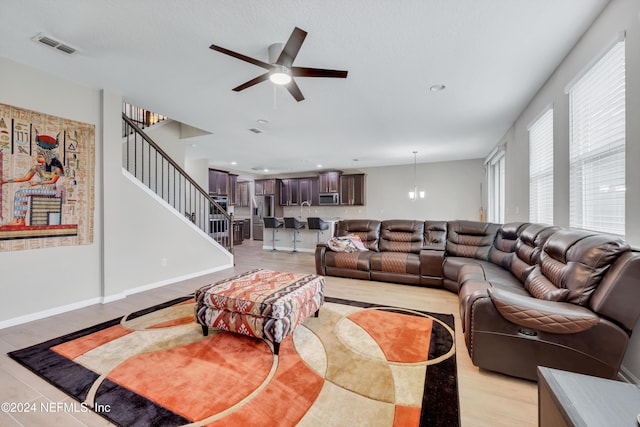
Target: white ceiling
493, 55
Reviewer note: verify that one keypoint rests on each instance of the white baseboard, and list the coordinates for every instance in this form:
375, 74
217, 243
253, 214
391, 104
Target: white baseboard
48, 313
104, 299
161, 283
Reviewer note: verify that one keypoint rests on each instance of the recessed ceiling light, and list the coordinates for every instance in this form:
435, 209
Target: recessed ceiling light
234, 163
266, 170
437, 88
263, 121
194, 145
318, 166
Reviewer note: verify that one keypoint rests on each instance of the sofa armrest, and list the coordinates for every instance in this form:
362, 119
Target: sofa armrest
431, 262
321, 266
547, 316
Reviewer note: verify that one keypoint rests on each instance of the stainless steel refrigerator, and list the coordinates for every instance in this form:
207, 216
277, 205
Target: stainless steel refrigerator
262, 206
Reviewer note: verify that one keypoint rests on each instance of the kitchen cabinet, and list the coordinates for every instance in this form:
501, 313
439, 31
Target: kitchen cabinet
242, 194
238, 232
352, 190
233, 193
306, 188
289, 192
218, 182
246, 231
329, 182
265, 187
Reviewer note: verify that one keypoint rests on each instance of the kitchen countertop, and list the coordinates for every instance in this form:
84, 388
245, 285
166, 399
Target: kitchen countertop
306, 239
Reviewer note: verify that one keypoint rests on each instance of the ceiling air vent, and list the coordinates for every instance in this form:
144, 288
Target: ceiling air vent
255, 130
56, 44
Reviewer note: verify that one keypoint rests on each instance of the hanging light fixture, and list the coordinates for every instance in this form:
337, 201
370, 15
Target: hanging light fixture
415, 194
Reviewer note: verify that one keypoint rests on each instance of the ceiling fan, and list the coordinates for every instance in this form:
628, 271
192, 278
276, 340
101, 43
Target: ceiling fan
282, 71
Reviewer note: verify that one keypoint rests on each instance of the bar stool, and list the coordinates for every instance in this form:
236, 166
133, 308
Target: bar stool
316, 223
272, 223
295, 225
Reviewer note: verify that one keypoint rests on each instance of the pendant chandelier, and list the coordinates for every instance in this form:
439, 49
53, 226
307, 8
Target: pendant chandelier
415, 194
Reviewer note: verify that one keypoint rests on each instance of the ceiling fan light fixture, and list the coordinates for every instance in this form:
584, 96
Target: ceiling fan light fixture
280, 75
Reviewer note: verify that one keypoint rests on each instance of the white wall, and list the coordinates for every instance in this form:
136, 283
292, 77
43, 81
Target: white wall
132, 232
36, 280
452, 192
620, 15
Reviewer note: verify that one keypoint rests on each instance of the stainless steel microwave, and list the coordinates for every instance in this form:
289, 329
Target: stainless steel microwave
329, 199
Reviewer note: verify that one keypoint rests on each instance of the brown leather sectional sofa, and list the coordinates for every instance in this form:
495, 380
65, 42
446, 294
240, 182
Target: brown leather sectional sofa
530, 294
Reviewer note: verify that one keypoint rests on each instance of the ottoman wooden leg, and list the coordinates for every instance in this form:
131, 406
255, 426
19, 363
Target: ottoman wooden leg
276, 348
317, 313
205, 330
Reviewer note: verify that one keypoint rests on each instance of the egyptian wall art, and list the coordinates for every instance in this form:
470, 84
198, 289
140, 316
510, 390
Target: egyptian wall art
47, 180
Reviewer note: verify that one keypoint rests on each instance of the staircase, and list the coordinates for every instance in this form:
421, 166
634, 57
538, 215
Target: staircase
145, 160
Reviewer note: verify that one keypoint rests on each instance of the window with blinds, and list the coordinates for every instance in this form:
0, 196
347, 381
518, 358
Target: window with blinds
597, 145
541, 169
495, 166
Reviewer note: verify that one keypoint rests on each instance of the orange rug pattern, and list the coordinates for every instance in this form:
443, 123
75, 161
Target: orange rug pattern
356, 364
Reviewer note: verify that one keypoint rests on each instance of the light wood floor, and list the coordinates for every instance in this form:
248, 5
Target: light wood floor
486, 399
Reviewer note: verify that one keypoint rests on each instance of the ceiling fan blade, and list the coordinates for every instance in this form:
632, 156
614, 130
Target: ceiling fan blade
241, 56
317, 72
252, 82
294, 90
291, 48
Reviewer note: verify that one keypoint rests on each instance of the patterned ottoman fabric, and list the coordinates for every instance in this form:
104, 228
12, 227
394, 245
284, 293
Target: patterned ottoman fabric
260, 303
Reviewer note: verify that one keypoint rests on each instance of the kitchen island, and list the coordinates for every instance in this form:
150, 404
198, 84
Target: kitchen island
306, 240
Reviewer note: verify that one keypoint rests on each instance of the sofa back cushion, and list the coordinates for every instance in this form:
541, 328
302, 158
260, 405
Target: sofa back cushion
542, 288
577, 261
368, 230
528, 248
435, 234
399, 235
470, 239
505, 244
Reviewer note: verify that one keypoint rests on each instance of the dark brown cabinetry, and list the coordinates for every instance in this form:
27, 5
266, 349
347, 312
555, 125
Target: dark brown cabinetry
265, 187
233, 190
289, 192
238, 232
218, 182
329, 182
309, 190
352, 190
242, 194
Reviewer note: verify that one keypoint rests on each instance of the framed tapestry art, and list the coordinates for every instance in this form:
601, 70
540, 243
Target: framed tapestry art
46, 180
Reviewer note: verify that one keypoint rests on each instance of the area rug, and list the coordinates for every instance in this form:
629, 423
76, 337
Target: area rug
355, 364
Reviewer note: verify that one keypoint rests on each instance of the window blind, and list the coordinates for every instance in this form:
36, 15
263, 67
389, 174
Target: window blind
541, 169
597, 145
496, 172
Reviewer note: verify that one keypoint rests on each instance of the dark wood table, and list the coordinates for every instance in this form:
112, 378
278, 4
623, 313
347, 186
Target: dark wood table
570, 399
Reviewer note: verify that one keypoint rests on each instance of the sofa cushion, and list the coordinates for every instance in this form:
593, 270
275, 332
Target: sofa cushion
435, 234
528, 248
396, 262
505, 243
540, 287
401, 236
368, 231
348, 260
578, 260
470, 239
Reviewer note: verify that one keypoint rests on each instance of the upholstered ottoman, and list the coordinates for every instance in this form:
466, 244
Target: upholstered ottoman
260, 303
